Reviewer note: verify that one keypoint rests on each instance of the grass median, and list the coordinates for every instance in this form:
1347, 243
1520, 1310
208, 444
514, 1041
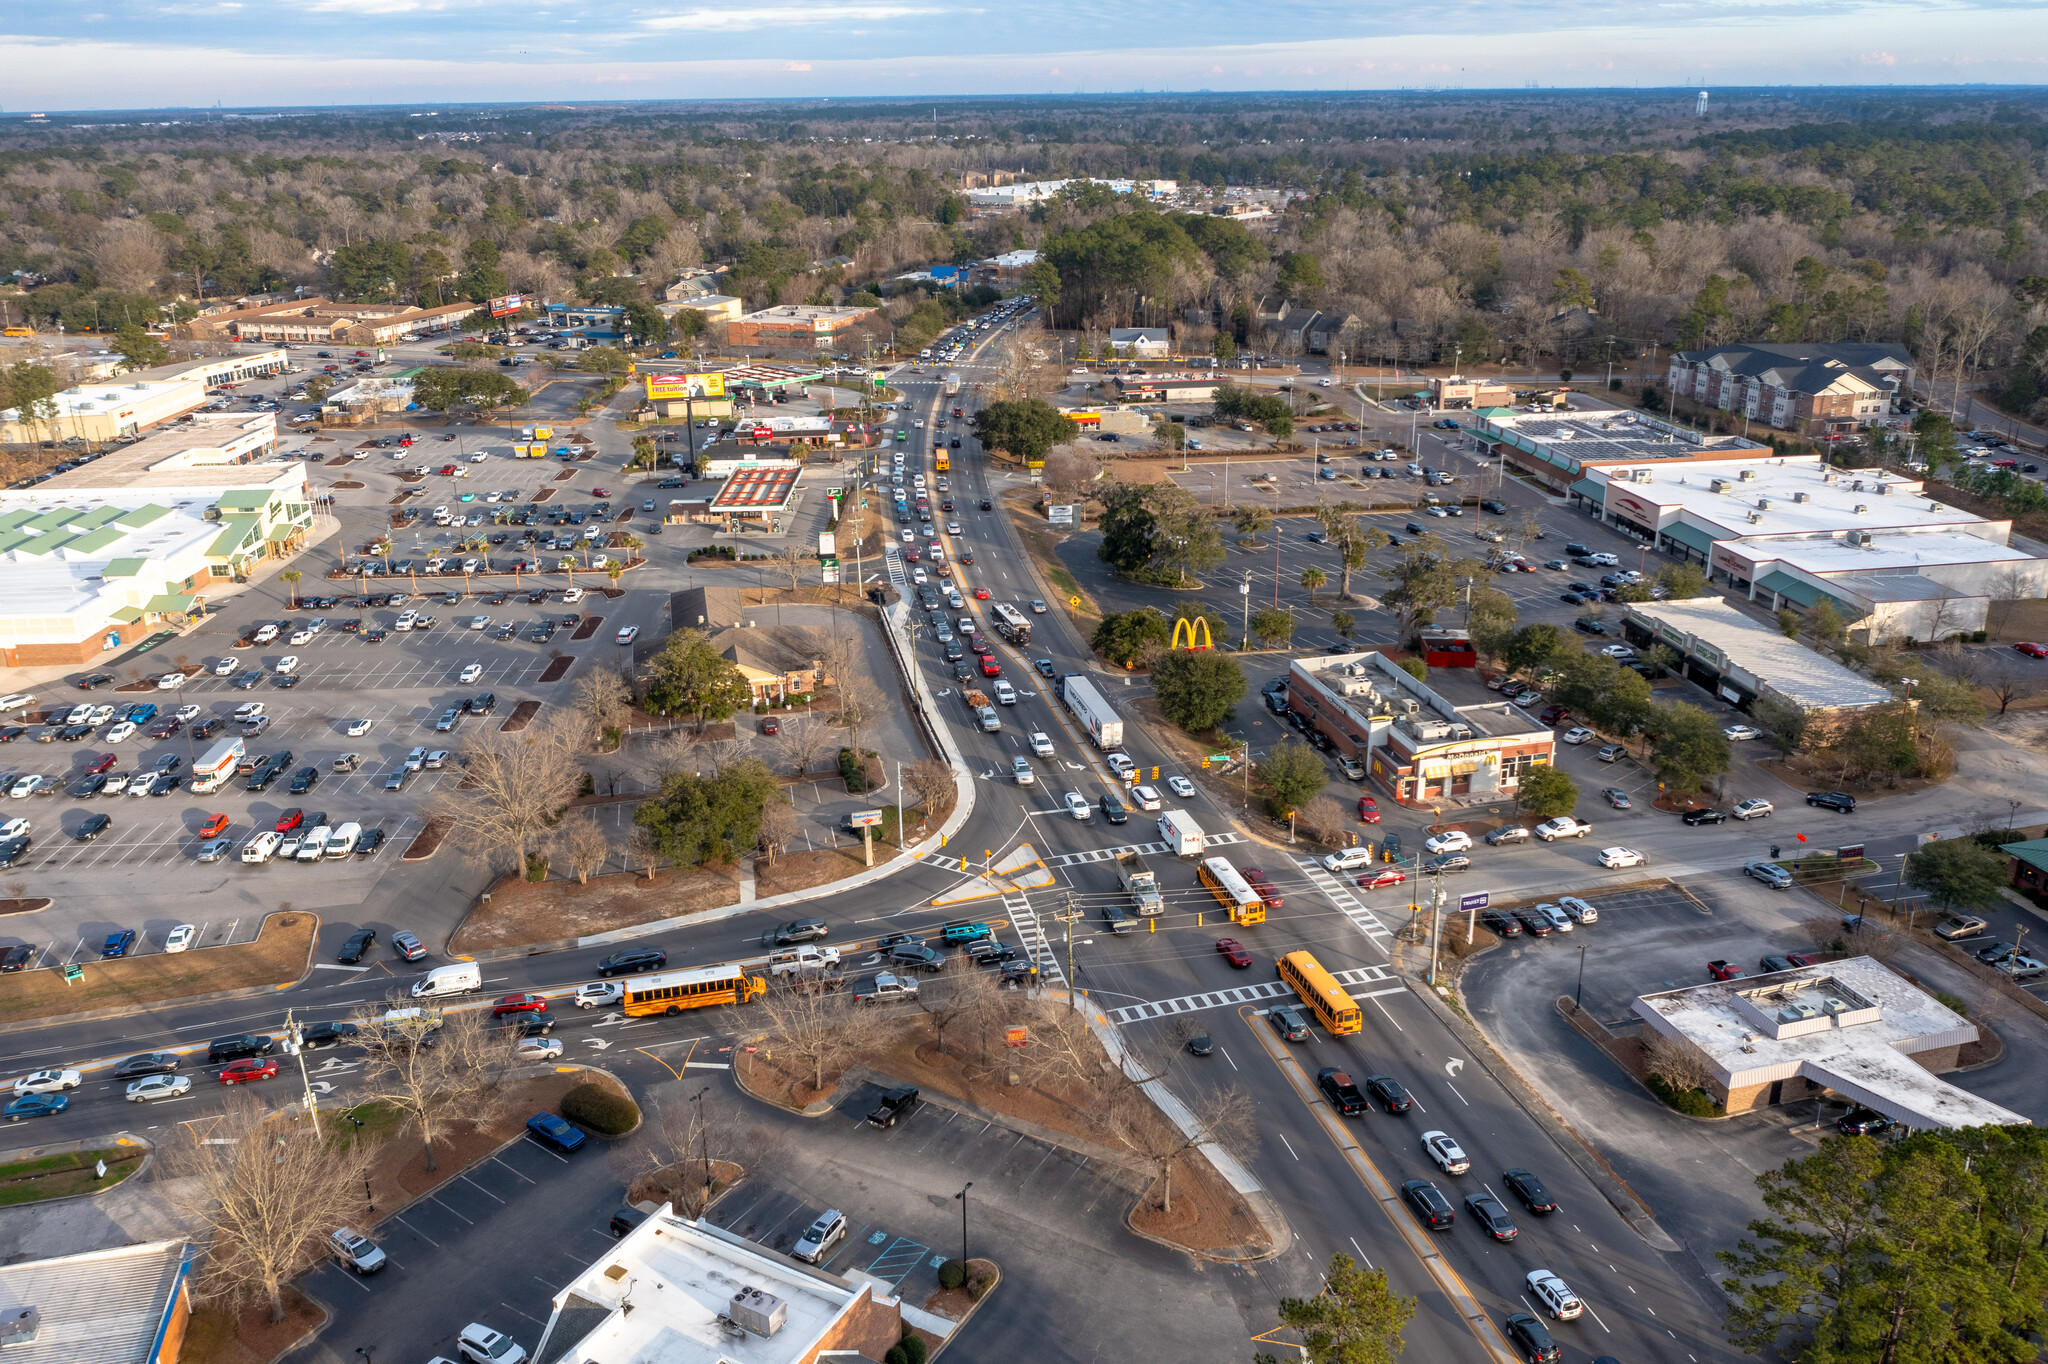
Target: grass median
277, 957
62, 1176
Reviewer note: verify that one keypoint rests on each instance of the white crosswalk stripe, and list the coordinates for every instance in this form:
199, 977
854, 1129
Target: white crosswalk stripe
1032, 934
1243, 994
1352, 907
1143, 849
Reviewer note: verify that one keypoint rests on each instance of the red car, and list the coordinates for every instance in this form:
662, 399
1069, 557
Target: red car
1385, 876
981, 594
447, 471
600, 492
771, 725
251, 1068
1368, 810
911, 556
1263, 886
519, 1004
214, 827
290, 820
105, 764
2032, 650
989, 666
1234, 953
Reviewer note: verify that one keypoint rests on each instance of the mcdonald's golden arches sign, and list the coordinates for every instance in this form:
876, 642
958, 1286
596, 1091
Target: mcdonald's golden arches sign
1192, 626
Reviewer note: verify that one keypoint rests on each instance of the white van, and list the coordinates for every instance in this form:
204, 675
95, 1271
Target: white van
261, 847
313, 846
344, 840
459, 978
20, 700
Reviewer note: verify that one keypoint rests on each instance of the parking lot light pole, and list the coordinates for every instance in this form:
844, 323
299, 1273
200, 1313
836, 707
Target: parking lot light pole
1244, 590
962, 1196
1579, 995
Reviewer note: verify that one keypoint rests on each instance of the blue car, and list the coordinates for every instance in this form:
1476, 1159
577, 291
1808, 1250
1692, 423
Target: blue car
117, 944
559, 1133
43, 1106
142, 712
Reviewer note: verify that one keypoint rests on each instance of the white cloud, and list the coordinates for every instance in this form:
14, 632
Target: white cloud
735, 19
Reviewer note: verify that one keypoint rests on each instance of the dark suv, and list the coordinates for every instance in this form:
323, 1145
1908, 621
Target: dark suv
1832, 800
916, 954
1288, 1022
1429, 1204
237, 1047
1531, 1338
633, 959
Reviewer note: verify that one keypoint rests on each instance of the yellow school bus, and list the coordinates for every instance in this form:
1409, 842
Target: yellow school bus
671, 992
1335, 1010
942, 462
17, 331
1244, 905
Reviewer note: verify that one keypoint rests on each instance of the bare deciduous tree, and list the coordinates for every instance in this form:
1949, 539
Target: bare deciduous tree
690, 1137
860, 709
949, 997
1683, 1066
645, 849
583, 845
821, 1029
779, 826
513, 789
930, 781
604, 699
1225, 1116
434, 1068
802, 739
266, 1191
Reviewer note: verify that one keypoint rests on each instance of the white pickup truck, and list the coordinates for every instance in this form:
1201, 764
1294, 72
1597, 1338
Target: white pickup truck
1564, 826
803, 960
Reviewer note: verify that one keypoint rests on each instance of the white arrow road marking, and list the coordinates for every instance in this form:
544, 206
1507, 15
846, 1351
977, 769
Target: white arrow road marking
1453, 1066
610, 1020
600, 1043
334, 1065
322, 1087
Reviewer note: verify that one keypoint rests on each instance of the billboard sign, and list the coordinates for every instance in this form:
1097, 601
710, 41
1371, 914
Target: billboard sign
1059, 515
1476, 900
676, 387
506, 306
864, 819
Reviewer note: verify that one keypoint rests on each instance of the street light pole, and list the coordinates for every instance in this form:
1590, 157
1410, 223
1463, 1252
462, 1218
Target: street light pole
1579, 995
962, 1196
296, 1041
1245, 591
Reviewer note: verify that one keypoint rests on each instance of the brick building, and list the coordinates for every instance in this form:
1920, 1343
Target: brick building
795, 324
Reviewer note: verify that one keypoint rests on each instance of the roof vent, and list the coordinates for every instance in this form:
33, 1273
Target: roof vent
1748, 475
19, 1325
1755, 517
1802, 497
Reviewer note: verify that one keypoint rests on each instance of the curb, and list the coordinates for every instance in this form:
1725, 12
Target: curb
84, 1144
312, 1332
972, 1307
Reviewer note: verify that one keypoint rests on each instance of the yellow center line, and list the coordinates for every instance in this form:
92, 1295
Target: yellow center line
1421, 1244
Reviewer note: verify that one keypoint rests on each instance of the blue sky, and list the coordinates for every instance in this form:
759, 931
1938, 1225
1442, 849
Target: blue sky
118, 54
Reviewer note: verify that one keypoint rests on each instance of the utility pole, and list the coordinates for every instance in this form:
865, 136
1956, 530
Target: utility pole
1436, 922
1069, 916
295, 1043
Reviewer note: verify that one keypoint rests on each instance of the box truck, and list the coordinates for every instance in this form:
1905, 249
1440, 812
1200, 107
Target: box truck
214, 768
1087, 705
1183, 837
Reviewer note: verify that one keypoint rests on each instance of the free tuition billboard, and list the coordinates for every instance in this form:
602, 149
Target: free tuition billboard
676, 387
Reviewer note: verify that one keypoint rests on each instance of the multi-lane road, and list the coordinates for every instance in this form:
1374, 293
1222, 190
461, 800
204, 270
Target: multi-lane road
1334, 1178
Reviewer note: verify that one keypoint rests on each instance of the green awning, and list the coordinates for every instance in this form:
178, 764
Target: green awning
1590, 488
244, 499
235, 533
127, 615
122, 568
280, 533
1790, 588
95, 541
168, 601
143, 515
1690, 536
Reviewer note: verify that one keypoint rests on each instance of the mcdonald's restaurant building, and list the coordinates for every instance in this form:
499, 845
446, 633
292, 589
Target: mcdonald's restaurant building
1416, 745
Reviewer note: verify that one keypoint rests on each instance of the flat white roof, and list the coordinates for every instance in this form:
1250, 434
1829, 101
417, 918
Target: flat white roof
95, 398
680, 1277
101, 1307
1610, 434
1820, 554
1785, 666
1849, 1025
1832, 497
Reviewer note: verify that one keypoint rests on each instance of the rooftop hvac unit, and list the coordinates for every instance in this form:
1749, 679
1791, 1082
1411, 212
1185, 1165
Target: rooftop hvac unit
1461, 732
1720, 485
1862, 507
1410, 706
1833, 1006
1859, 537
1802, 497
1755, 517
1797, 1013
19, 1325
1643, 475
1748, 475
1354, 686
1827, 478
1354, 669
758, 1311
1857, 486
1882, 489
1763, 503
1934, 506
